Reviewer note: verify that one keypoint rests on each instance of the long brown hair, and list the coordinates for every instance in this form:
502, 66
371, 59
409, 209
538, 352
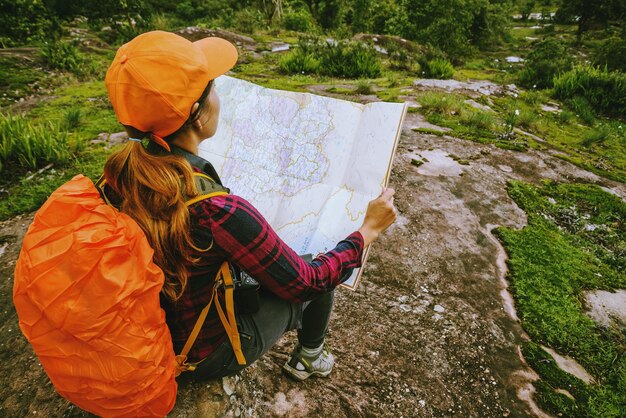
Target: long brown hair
153, 190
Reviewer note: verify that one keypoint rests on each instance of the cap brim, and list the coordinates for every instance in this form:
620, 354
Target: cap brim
221, 55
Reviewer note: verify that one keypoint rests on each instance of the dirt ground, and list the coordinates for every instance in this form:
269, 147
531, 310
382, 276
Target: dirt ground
430, 332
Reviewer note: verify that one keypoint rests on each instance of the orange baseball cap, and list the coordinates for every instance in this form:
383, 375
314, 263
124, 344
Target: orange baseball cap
156, 78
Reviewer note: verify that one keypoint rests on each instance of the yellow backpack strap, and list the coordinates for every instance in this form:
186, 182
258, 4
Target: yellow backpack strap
207, 188
224, 277
100, 187
181, 359
230, 324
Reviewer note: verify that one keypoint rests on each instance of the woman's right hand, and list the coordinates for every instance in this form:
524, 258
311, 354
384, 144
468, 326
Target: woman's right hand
380, 214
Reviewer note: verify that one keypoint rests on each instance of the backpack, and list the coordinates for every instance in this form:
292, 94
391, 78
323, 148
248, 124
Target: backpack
86, 292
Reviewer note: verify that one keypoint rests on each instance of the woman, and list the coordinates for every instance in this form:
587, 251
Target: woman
161, 87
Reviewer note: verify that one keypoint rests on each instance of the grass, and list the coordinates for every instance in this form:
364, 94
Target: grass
28, 146
552, 261
440, 103
596, 145
63, 128
363, 87
19, 78
27, 195
96, 114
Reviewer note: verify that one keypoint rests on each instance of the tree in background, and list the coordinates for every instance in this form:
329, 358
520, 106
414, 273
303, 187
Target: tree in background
455, 26
271, 9
549, 59
611, 53
526, 8
589, 13
23, 21
359, 16
327, 13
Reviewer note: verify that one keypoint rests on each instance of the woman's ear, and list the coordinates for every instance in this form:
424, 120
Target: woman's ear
196, 123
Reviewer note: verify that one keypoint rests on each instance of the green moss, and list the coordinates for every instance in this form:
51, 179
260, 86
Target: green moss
19, 79
428, 131
91, 98
340, 90
465, 74
551, 261
459, 159
598, 148
389, 94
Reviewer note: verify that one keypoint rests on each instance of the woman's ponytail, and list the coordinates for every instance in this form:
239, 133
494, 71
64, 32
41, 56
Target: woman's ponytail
153, 190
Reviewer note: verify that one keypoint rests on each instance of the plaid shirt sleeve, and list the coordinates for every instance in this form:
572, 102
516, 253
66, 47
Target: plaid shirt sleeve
245, 238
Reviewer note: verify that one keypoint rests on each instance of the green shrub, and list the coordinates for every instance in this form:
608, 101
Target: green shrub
299, 21
604, 91
532, 97
247, 20
400, 58
363, 87
611, 54
299, 62
22, 21
479, 119
336, 59
549, 59
565, 116
440, 103
350, 60
597, 136
72, 118
583, 110
527, 119
439, 68
62, 56
160, 21
31, 146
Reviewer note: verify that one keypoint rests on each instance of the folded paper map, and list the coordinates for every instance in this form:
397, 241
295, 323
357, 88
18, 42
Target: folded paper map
310, 164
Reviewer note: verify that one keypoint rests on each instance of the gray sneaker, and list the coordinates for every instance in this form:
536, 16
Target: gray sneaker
300, 367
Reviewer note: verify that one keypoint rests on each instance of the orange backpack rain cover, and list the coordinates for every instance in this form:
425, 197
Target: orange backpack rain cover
87, 295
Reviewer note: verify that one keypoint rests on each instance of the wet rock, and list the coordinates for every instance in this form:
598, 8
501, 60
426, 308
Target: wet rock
384, 41
570, 365
194, 33
480, 87
279, 46
418, 121
550, 107
110, 139
229, 384
478, 106
607, 308
438, 163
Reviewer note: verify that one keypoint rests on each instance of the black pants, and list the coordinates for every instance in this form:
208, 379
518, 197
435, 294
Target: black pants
260, 331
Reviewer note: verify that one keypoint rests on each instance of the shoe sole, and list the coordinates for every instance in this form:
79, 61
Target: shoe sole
303, 374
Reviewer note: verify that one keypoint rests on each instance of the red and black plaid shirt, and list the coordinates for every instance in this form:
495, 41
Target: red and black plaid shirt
241, 235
